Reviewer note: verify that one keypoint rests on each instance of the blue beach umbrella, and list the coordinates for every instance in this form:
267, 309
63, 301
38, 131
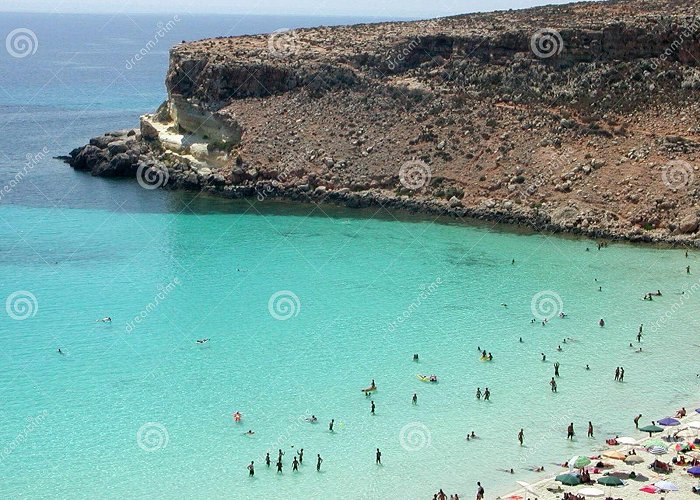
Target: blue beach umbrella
695, 471
669, 421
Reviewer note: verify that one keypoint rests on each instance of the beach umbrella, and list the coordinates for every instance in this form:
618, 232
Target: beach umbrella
657, 450
614, 455
694, 424
579, 462
640, 477
590, 492
610, 481
649, 489
651, 428
568, 479
666, 485
684, 447
528, 487
655, 442
669, 421
634, 459
697, 410
695, 471
626, 440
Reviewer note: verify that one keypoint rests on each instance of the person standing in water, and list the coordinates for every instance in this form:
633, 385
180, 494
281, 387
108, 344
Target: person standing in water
251, 469
544, 358
415, 398
556, 369
570, 431
553, 384
590, 429
617, 374
601, 322
636, 421
521, 437
295, 464
301, 455
279, 466
319, 460
330, 425
622, 374
267, 459
487, 394
479, 491
687, 270
379, 457
478, 393
279, 455
372, 408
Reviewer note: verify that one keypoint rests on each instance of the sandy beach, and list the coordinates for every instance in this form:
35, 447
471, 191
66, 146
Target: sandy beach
549, 488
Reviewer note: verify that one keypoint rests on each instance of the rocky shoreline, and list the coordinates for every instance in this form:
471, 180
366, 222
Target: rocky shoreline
125, 154
580, 119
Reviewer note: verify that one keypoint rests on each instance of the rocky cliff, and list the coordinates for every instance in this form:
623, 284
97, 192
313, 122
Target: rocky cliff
580, 118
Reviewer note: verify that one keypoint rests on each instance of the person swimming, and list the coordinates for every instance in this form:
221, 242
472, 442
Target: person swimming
249, 432
202, 341
601, 322
544, 357
415, 357
588, 367
106, 319
312, 419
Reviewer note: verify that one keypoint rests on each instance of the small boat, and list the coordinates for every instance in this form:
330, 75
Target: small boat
426, 378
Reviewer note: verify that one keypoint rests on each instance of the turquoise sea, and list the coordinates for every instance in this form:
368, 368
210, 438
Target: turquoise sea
303, 306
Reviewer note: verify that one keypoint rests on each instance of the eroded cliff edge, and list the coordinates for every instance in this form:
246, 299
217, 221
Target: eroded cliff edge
581, 118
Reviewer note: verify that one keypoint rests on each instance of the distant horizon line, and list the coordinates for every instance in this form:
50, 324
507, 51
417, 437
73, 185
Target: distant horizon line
214, 13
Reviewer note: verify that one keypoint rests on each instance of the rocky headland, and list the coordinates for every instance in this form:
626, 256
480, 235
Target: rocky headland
582, 118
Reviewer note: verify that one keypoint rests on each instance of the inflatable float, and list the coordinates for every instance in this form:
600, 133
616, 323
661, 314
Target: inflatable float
426, 378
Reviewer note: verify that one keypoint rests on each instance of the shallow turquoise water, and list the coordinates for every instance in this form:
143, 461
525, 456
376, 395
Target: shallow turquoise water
371, 290
216, 271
